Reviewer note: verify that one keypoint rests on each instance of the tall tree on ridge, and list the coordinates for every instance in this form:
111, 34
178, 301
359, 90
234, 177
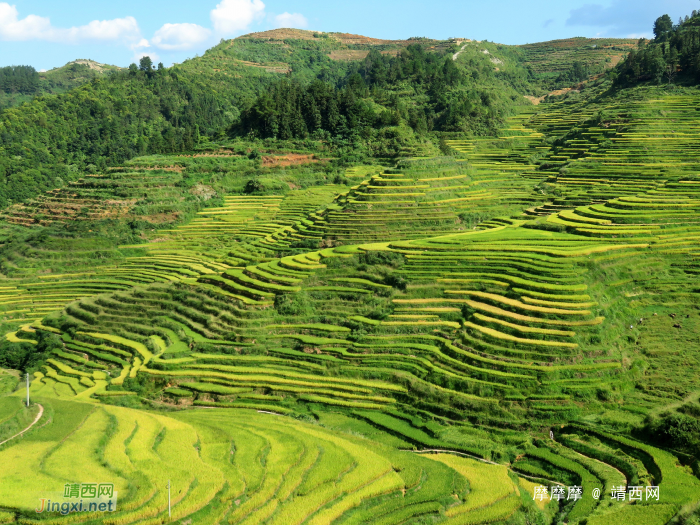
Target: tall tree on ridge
662, 27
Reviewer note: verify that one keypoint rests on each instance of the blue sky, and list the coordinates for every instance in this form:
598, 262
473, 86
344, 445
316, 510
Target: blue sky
49, 33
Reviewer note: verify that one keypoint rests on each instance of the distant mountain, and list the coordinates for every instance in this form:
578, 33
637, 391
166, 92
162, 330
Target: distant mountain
313, 53
377, 97
55, 81
75, 73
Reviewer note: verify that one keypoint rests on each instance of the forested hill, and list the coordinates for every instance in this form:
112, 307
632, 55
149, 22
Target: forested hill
388, 94
19, 84
54, 139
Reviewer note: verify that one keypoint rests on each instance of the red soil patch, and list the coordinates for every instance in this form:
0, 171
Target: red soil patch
556, 92
159, 218
282, 34
348, 38
348, 54
357, 54
291, 159
152, 168
279, 35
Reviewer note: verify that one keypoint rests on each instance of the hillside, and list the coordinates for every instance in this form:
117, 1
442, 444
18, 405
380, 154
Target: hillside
542, 279
552, 61
323, 278
178, 108
283, 50
55, 81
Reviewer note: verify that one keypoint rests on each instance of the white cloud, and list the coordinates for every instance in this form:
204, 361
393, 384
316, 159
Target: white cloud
33, 27
292, 20
116, 30
231, 16
12, 28
179, 37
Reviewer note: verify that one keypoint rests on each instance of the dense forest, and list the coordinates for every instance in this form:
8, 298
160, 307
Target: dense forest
54, 138
577, 73
673, 52
20, 84
442, 97
19, 79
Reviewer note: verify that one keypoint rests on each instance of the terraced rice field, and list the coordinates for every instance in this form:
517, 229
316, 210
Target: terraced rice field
556, 56
393, 350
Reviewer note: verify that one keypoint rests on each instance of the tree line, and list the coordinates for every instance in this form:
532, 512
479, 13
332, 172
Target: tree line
19, 79
673, 52
54, 139
425, 91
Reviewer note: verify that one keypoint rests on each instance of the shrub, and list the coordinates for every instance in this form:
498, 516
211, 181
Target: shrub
393, 259
19, 356
254, 186
340, 262
677, 430
471, 219
297, 304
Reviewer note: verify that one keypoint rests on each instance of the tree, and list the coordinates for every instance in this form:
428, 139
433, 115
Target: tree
672, 65
656, 65
145, 64
662, 27
579, 71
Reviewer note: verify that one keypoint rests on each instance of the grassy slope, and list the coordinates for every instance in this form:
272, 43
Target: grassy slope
468, 304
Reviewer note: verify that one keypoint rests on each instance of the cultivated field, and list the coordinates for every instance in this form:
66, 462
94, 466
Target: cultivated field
394, 346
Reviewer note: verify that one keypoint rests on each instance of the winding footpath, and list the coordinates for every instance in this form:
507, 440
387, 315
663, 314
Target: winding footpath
36, 420
454, 57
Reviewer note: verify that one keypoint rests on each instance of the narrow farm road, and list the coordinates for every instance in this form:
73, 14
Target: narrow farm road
454, 57
36, 420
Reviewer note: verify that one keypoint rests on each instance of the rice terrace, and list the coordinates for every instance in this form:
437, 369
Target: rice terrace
317, 277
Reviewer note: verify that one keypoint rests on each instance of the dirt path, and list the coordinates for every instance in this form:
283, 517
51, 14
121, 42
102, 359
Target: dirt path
693, 397
556, 92
477, 458
454, 57
36, 420
268, 412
